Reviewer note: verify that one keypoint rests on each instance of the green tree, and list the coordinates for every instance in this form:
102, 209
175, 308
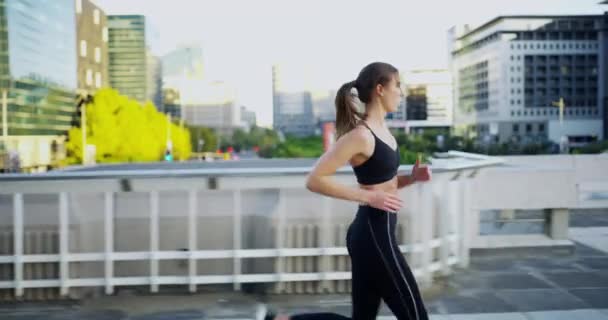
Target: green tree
263, 138
124, 130
207, 135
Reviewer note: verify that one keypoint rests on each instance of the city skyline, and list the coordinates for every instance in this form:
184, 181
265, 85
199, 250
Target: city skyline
240, 46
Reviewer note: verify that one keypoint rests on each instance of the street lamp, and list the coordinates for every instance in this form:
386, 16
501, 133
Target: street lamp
83, 99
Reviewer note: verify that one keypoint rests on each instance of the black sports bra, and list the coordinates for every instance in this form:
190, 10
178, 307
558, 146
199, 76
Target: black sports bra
381, 166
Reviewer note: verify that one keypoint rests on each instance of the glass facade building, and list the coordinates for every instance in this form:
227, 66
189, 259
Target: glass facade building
38, 65
128, 55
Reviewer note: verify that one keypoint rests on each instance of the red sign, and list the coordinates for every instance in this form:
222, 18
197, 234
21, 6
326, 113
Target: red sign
329, 135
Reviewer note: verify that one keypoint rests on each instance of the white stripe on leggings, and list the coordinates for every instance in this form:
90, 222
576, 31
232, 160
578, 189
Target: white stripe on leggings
390, 242
388, 268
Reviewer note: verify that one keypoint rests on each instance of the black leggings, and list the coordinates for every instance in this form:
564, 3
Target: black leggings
379, 271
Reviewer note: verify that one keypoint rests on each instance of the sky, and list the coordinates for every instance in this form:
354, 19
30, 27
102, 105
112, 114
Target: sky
242, 39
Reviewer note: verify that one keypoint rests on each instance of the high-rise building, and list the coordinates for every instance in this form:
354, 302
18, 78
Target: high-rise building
172, 103
154, 80
397, 119
292, 91
181, 67
133, 69
213, 105
509, 72
427, 99
248, 118
324, 107
183, 62
92, 46
603, 70
38, 63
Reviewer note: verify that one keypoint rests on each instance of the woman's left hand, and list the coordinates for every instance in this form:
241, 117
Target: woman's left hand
421, 172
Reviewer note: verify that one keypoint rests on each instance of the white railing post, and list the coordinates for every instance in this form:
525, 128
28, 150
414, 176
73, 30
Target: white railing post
280, 241
18, 243
298, 262
64, 271
154, 241
443, 223
192, 239
109, 241
426, 227
324, 242
455, 208
236, 237
413, 228
465, 222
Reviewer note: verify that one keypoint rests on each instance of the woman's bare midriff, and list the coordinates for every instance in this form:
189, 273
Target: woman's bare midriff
389, 186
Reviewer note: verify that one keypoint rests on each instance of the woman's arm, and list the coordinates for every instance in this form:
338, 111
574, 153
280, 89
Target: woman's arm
405, 180
320, 178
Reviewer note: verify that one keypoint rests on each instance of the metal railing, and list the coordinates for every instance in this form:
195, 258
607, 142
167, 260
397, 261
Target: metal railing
224, 226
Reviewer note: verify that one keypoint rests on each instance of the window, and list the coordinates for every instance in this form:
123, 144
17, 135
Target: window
83, 48
89, 77
515, 128
97, 79
541, 127
528, 127
104, 34
78, 6
96, 16
97, 54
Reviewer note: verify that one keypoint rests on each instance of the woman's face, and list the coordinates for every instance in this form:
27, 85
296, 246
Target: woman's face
391, 94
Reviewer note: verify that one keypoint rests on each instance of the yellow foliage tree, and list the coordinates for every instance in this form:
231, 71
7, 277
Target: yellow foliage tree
124, 130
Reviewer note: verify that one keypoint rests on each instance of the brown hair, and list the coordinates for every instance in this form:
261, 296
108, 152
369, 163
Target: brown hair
347, 116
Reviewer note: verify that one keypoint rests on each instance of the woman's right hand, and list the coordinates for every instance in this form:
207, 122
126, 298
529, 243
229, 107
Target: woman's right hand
384, 201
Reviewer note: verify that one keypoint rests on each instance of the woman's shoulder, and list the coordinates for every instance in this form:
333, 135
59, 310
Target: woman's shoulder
359, 135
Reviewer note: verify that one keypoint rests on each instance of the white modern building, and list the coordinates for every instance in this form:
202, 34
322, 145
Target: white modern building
508, 73
427, 101
303, 98
213, 105
248, 118
181, 68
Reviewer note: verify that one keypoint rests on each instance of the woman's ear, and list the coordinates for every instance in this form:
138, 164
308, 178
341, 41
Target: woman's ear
380, 90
